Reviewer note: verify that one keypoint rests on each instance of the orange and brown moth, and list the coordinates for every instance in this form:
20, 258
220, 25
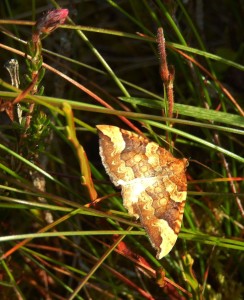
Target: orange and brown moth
152, 180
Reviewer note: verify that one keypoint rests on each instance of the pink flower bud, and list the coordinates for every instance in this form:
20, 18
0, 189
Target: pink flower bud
51, 20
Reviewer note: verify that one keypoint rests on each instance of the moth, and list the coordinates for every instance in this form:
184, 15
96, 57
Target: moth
153, 183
